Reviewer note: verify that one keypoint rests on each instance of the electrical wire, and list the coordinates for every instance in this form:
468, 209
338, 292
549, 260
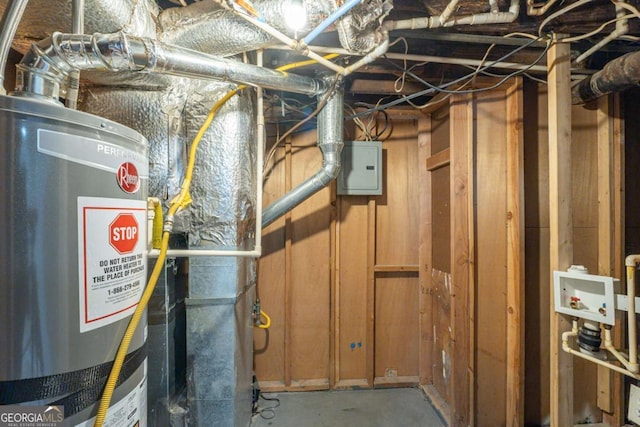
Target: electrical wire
483, 89
268, 409
560, 12
627, 6
305, 63
596, 31
430, 90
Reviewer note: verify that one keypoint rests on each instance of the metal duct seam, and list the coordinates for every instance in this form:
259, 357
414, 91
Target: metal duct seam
330, 143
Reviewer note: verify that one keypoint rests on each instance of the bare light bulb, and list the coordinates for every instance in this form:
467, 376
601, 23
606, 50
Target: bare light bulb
295, 15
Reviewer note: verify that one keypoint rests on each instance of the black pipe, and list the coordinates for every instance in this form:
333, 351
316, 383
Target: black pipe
618, 75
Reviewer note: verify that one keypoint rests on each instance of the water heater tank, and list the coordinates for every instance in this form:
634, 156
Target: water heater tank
73, 191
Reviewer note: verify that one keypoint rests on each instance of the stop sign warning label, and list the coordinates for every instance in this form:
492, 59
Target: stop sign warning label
112, 260
123, 233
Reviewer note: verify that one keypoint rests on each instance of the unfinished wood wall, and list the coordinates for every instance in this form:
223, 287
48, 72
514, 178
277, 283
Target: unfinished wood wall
340, 276
476, 257
294, 277
426, 283
595, 138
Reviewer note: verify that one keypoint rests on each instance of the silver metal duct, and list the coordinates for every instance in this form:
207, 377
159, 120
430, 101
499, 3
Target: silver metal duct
205, 26
330, 143
48, 63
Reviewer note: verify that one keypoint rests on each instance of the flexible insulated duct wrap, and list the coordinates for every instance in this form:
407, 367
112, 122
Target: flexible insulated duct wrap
205, 26
222, 215
156, 114
43, 17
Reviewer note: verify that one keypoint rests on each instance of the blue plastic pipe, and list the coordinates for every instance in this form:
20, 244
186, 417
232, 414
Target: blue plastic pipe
337, 14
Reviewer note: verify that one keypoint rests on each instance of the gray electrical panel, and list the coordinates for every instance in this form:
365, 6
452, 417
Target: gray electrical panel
361, 171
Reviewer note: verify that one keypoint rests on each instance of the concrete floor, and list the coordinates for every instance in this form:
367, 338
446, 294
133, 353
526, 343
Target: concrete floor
398, 407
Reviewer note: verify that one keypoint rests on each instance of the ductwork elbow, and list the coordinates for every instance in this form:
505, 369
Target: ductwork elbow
330, 143
618, 75
48, 63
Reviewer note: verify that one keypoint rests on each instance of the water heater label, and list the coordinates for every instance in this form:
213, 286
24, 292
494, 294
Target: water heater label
130, 411
112, 259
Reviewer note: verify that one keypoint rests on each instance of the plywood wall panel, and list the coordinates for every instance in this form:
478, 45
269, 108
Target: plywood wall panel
269, 343
310, 275
351, 322
584, 153
440, 129
397, 210
396, 325
442, 333
491, 258
585, 249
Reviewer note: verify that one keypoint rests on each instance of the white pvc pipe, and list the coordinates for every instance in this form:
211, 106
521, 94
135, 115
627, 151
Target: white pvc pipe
608, 345
291, 43
601, 362
477, 19
493, 6
567, 348
260, 160
436, 59
622, 27
179, 253
449, 10
376, 53
630, 262
489, 18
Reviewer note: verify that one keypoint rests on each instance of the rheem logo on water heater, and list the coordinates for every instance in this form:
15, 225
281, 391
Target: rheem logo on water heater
128, 178
123, 233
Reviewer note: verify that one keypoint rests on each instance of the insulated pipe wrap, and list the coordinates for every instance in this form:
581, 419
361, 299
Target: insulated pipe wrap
618, 75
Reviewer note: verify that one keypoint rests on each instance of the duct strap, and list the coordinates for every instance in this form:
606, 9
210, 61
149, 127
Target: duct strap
81, 388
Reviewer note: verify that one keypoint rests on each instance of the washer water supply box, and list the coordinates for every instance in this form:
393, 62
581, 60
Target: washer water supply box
586, 296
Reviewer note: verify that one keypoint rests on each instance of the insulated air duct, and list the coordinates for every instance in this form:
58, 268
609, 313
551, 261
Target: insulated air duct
618, 75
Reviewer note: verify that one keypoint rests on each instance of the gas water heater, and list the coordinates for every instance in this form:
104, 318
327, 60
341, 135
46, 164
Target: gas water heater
73, 261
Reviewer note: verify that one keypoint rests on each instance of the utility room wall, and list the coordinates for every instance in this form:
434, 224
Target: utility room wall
340, 276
